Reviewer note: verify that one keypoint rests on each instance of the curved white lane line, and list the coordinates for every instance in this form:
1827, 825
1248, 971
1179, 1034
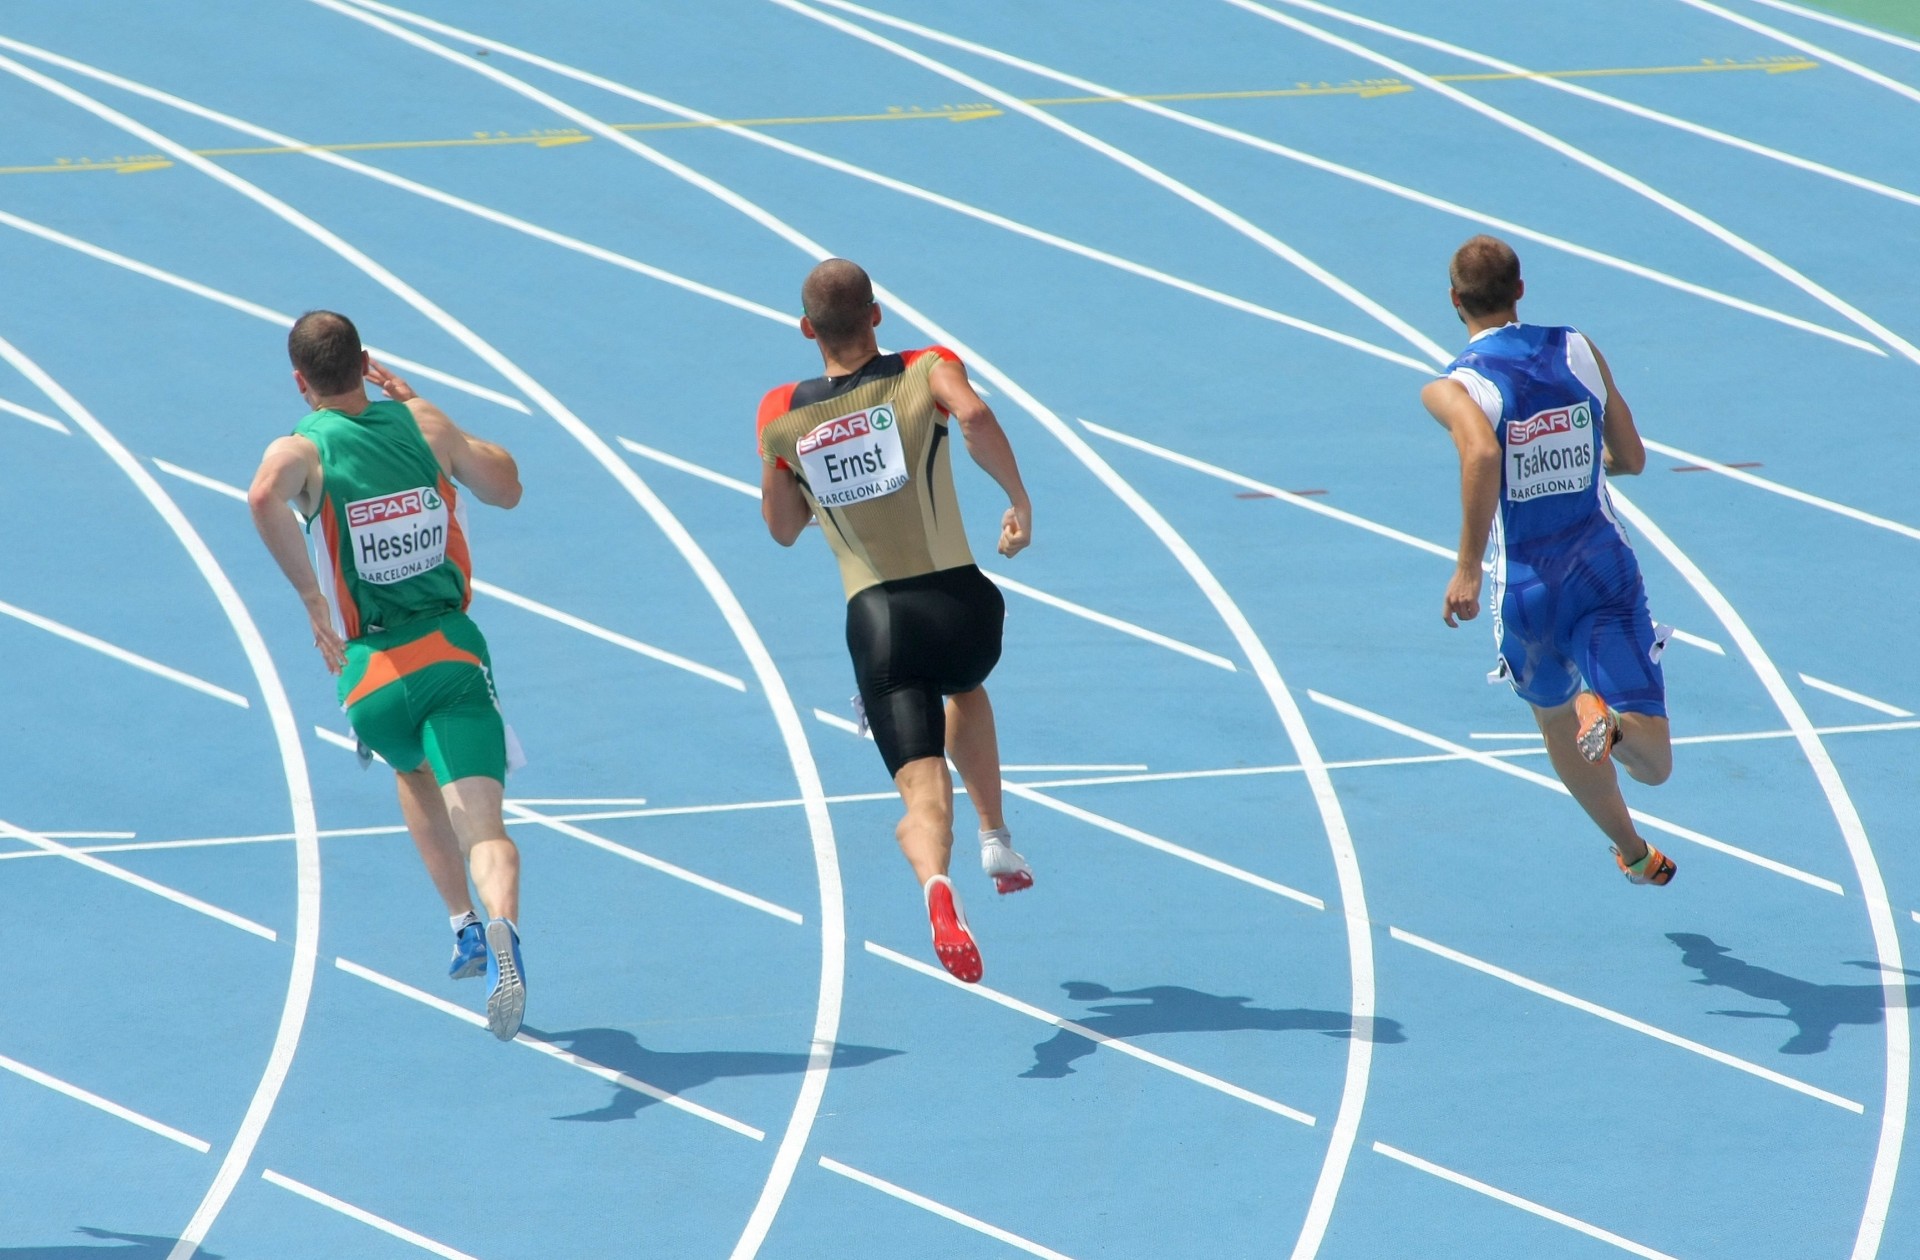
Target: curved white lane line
1814, 15
1346, 1123
1873, 888
1808, 47
1153, 174
293, 765
1633, 184
1358, 176
813, 792
1629, 107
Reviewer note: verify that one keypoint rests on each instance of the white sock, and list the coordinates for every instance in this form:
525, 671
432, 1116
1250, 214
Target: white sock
999, 835
462, 920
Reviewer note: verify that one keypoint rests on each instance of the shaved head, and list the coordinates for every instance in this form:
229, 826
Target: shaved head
1485, 273
325, 349
836, 298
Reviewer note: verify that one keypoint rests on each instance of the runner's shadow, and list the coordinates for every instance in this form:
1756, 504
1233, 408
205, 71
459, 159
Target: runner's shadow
1175, 1008
1817, 1011
140, 1247
678, 1071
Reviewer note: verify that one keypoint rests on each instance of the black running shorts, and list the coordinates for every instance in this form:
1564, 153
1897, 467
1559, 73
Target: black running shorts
914, 641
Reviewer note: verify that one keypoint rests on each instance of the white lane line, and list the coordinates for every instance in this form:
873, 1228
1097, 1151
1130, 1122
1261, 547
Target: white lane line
1774, 487
578, 800
601, 632
839, 723
1213, 864
1548, 781
1625, 1021
653, 863
33, 417
100, 835
505, 596
1486, 221
1112, 623
1866, 867
365, 1217
688, 466
1814, 15
1835, 689
1606, 170
942, 1210
97, 865
1314, 505
1004, 582
410, 366
1525, 1205
347, 742
1345, 1129
286, 736
1523, 735
531, 1042
112, 1108
1062, 769
1639, 111
1098, 1038
1153, 174
124, 656
1810, 48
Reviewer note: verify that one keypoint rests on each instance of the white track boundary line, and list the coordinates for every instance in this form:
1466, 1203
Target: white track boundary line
1548, 781
1602, 168
692, 469
552, 1051
820, 826
34, 417
1808, 47
1525, 1205
365, 1217
228, 300
1213, 864
942, 1210
1835, 689
293, 761
1361, 177
1629, 107
1186, 192
1814, 15
112, 1108
1098, 1038
1346, 1124
1625, 1021
55, 849
124, 656
653, 863
1773, 487
1873, 888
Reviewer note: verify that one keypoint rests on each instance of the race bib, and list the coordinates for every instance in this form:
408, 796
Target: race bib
852, 459
397, 536
1550, 452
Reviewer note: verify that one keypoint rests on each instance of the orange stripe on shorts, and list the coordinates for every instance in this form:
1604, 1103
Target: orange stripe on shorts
395, 663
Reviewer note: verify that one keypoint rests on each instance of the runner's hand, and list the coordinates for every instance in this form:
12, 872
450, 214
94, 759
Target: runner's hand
1016, 530
1463, 596
332, 648
392, 386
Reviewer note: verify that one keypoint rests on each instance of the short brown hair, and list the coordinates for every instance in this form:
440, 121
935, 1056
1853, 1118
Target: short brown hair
836, 297
325, 348
1485, 273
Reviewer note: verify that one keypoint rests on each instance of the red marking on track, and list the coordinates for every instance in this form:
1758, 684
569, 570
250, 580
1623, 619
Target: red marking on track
1745, 463
1262, 494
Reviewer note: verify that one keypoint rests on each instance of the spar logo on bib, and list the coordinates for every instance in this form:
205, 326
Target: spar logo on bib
397, 536
853, 458
1550, 452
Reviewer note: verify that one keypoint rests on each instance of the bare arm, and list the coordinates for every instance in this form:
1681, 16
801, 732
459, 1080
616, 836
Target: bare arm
782, 505
1479, 449
481, 466
987, 443
1624, 453
290, 473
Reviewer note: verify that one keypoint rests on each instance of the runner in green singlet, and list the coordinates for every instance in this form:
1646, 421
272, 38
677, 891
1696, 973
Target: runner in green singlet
386, 594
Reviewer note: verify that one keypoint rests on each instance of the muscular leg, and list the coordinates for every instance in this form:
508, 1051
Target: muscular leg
1594, 784
432, 831
1645, 747
926, 831
974, 746
473, 807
